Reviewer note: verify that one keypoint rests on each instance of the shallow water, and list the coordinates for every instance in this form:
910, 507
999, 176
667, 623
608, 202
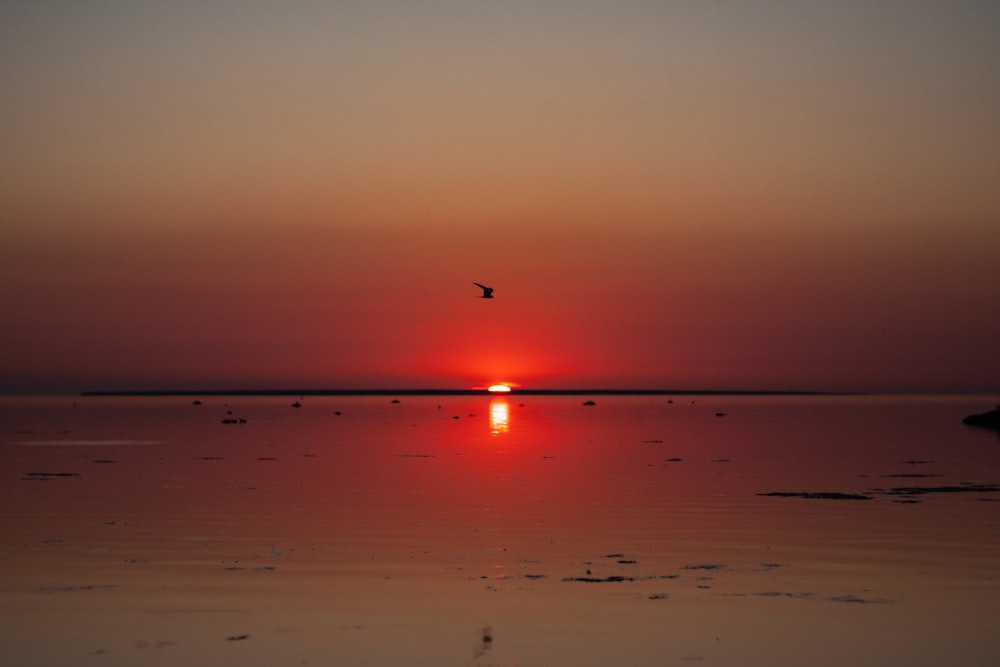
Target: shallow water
519, 530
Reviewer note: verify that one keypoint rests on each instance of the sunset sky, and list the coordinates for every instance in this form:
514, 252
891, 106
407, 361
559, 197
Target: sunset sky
709, 195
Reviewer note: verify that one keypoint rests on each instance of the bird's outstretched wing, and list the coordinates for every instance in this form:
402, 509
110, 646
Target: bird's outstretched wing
487, 291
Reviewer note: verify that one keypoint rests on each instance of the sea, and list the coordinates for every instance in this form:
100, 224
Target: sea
489, 529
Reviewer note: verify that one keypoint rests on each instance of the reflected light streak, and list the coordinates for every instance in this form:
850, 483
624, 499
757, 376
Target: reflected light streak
499, 416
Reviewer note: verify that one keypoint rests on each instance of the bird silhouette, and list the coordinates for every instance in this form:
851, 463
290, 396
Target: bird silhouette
487, 291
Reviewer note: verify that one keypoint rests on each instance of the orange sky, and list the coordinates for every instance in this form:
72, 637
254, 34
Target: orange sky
747, 195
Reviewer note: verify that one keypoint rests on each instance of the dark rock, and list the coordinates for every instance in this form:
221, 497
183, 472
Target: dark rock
990, 420
589, 403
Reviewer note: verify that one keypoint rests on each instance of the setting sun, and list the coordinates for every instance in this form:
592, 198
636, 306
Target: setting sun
498, 388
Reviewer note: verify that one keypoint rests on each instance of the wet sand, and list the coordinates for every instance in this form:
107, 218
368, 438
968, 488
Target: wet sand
360, 531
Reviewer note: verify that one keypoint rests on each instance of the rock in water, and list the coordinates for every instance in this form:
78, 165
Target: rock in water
990, 420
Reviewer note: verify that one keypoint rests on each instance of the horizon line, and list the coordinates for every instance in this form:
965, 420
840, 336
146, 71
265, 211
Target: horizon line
463, 392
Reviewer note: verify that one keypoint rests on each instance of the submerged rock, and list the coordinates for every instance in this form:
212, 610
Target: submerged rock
990, 420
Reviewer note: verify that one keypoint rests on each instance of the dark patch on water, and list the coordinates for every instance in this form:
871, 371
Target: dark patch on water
142, 643
74, 589
821, 495
965, 487
485, 643
618, 578
912, 474
854, 599
37, 476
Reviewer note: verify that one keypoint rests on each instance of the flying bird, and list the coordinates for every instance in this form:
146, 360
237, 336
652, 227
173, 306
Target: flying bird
487, 291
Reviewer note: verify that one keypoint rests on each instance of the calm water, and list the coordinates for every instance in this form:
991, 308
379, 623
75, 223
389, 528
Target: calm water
498, 531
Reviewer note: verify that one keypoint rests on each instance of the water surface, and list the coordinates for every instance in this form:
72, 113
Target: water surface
516, 530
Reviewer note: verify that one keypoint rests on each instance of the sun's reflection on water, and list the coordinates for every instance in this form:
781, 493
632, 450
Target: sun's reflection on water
499, 416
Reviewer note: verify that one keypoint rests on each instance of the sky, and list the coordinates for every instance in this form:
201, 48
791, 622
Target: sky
778, 194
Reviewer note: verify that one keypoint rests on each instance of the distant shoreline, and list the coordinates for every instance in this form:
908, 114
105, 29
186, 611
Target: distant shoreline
460, 392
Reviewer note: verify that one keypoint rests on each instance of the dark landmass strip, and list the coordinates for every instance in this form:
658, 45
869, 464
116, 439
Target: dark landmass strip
990, 420
822, 495
965, 487
456, 392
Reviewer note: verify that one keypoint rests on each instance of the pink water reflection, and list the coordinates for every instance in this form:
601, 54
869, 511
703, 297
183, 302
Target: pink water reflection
566, 529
